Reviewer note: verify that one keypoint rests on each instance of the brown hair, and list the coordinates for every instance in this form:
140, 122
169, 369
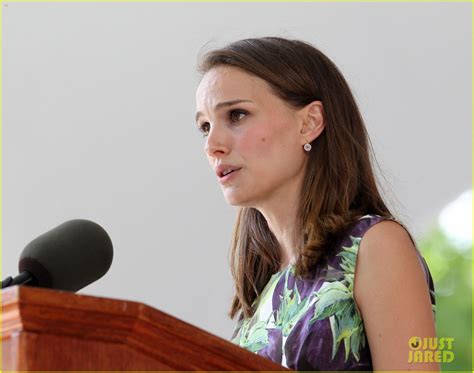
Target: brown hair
339, 184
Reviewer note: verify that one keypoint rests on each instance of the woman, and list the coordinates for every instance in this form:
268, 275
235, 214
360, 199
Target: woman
289, 146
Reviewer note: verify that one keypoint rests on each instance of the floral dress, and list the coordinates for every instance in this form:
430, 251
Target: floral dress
313, 324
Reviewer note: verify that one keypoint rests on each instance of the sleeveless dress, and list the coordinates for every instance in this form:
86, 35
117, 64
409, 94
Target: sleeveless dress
313, 324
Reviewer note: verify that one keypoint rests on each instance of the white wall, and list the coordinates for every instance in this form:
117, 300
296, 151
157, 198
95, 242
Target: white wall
98, 123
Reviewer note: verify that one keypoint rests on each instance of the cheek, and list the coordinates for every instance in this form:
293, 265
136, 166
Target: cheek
255, 144
267, 144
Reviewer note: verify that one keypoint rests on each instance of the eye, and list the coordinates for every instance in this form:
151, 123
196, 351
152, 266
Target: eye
237, 114
204, 128
234, 116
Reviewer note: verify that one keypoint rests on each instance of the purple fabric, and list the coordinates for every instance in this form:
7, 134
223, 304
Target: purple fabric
309, 342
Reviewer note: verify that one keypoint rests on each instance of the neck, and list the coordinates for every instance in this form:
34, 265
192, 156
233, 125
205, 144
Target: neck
282, 221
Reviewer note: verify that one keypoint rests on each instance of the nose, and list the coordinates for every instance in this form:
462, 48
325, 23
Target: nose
217, 143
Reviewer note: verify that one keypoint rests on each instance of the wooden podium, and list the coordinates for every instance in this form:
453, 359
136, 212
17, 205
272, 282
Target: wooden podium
51, 330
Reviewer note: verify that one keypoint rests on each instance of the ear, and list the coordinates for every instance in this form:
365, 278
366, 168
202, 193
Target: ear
312, 119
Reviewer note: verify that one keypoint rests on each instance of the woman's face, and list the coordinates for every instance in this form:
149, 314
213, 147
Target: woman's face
249, 129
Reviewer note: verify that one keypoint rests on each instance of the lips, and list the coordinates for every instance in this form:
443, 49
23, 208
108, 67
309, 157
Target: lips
228, 172
225, 169
229, 176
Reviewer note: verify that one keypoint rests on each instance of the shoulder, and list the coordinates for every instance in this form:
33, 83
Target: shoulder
386, 233
386, 255
392, 294
375, 231
384, 243
362, 225
384, 246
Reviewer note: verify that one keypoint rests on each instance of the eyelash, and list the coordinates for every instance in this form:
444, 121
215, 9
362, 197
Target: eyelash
202, 127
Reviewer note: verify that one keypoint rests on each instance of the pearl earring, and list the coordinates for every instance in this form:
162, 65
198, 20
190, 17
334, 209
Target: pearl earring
307, 147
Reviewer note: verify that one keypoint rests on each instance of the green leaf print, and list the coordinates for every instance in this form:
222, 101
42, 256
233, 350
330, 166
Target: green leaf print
253, 337
335, 300
357, 339
253, 334
348, 326
332, 298
326, 310
291, 308
348, 260
334, 331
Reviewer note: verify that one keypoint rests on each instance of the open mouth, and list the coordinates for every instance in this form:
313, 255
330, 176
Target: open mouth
229, 174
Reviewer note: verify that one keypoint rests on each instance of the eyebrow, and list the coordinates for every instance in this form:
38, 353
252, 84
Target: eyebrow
221, 105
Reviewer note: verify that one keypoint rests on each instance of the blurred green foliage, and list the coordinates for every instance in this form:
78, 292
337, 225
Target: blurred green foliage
450, 267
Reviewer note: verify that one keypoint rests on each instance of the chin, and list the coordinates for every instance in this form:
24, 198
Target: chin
237, 199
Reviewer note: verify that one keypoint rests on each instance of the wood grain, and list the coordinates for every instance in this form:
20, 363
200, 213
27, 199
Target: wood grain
51, 330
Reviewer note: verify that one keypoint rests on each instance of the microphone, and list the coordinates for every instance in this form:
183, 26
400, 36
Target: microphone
68, 257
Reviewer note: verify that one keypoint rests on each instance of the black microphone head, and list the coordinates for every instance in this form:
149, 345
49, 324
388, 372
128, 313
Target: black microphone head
68, 257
